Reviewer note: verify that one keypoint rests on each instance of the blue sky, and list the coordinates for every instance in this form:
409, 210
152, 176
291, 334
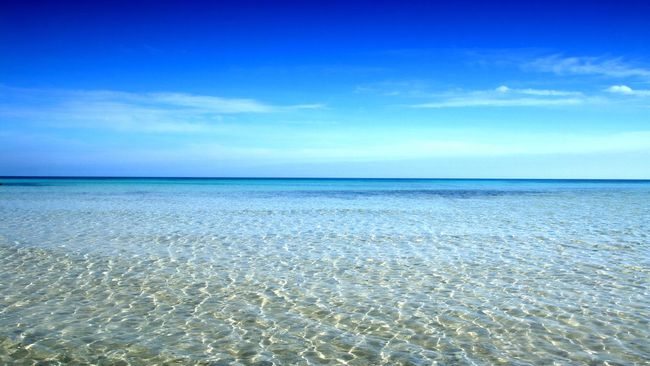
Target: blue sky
334, 89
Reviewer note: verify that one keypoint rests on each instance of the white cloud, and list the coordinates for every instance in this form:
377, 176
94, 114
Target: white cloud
539, 92
626, 90
620, 89
611, 67
548, 92
147, 112
494, 102
503, 96
204, 103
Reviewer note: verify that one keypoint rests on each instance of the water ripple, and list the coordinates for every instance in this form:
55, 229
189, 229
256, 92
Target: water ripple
152, 275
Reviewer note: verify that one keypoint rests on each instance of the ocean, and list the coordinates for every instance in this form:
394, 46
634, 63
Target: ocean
125, 271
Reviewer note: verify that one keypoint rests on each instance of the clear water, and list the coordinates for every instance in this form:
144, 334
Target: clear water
311, 272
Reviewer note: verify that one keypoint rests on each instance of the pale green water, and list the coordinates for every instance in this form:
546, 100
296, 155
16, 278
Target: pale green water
359, 272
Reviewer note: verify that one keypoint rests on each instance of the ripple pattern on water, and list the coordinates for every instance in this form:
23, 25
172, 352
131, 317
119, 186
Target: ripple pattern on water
196, 275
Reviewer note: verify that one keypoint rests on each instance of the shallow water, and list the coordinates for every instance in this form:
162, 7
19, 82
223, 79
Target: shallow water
359, 272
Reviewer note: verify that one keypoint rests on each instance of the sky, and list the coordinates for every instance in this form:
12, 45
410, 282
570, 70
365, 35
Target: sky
502, 89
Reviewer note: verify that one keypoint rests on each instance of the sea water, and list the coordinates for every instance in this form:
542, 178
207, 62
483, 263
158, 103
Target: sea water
312, 272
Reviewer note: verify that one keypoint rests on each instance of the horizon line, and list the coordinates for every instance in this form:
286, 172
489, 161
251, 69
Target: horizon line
99, 177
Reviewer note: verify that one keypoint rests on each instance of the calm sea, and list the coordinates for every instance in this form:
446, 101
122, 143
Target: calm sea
317, 271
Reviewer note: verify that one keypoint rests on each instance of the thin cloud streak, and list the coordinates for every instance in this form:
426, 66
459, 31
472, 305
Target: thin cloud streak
143, 112
504, 96
538, 92
610, 67
494, 102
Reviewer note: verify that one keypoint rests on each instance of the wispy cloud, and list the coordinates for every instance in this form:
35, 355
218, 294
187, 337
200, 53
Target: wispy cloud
150, 112
493, 102
626, 90
214, 104
196, 102
538, 92
610, 67
504, 96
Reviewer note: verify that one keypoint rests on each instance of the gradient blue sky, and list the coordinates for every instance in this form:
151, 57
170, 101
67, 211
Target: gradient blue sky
529, 89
